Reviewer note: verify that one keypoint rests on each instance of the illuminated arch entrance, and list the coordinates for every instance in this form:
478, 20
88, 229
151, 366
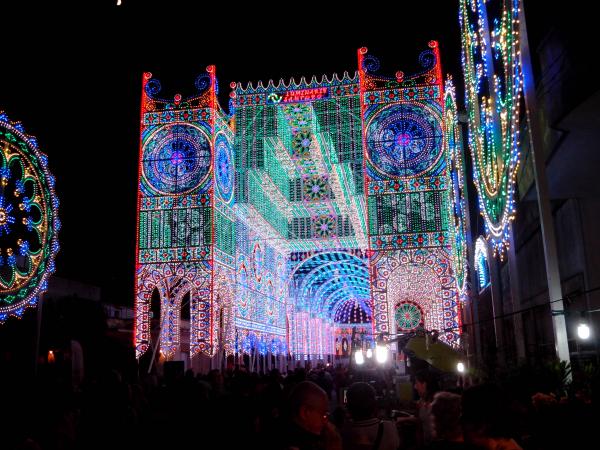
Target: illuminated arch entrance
421, 283
331, 290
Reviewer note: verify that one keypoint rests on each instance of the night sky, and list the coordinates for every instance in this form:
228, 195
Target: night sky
71, 73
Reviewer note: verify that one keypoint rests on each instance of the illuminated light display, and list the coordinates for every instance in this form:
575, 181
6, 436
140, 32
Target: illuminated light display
481, 263
409, 316
29, 221
352, 311
407, 184
333, 288
305, 95
176, 159
315, 211
403, 141
224, 167
454, 151
176, 199
493, 86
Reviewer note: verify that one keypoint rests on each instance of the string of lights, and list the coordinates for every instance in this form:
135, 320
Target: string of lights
493, 88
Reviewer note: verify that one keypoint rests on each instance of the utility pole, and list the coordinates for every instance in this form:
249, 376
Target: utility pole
541, 182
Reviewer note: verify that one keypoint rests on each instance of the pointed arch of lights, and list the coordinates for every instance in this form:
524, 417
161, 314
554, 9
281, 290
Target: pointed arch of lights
493, 85
335, 286
481, 263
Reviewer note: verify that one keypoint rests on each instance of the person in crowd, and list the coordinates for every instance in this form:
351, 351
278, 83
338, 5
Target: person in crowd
487, 418
447, 429
309, 427
365, 430
426, 386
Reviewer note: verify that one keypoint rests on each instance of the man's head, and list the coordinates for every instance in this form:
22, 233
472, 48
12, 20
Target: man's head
362, 402
426, 385
446, 412
486, 412
309, 406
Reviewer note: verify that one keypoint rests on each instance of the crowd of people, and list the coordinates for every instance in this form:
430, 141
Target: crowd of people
325, 408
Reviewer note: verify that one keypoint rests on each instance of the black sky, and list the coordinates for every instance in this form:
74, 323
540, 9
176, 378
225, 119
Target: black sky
71, 72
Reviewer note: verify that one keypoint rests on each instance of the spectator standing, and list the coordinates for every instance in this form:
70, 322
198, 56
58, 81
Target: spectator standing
365, 431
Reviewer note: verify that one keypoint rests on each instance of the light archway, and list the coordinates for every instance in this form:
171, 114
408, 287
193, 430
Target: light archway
421, 277
329, 290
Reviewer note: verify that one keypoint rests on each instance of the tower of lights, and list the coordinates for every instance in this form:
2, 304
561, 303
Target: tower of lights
176, 214
407, 184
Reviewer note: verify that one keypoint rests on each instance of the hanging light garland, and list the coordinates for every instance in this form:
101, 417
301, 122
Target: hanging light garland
493, 85
481, 263
457, 204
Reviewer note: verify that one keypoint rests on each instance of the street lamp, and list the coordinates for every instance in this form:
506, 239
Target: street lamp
460, 367
583, 331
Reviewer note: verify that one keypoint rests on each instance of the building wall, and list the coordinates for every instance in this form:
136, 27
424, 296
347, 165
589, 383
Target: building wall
569, 112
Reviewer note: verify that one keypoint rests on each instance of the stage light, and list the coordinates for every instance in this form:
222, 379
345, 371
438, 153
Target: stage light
381, 353
359, 358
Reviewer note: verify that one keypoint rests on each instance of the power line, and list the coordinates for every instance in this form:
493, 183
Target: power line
539, 305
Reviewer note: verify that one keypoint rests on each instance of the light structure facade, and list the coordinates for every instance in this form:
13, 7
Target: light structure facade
315, 212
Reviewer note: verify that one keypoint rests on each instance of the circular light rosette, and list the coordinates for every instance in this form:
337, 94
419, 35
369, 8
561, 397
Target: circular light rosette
28, 220
404, 141
408, 316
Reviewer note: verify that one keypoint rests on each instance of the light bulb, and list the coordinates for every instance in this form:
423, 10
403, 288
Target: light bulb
460, 367
381, 354
583, 331
359, 358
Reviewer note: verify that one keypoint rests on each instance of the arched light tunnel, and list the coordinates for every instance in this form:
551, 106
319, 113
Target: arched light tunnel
334, 286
